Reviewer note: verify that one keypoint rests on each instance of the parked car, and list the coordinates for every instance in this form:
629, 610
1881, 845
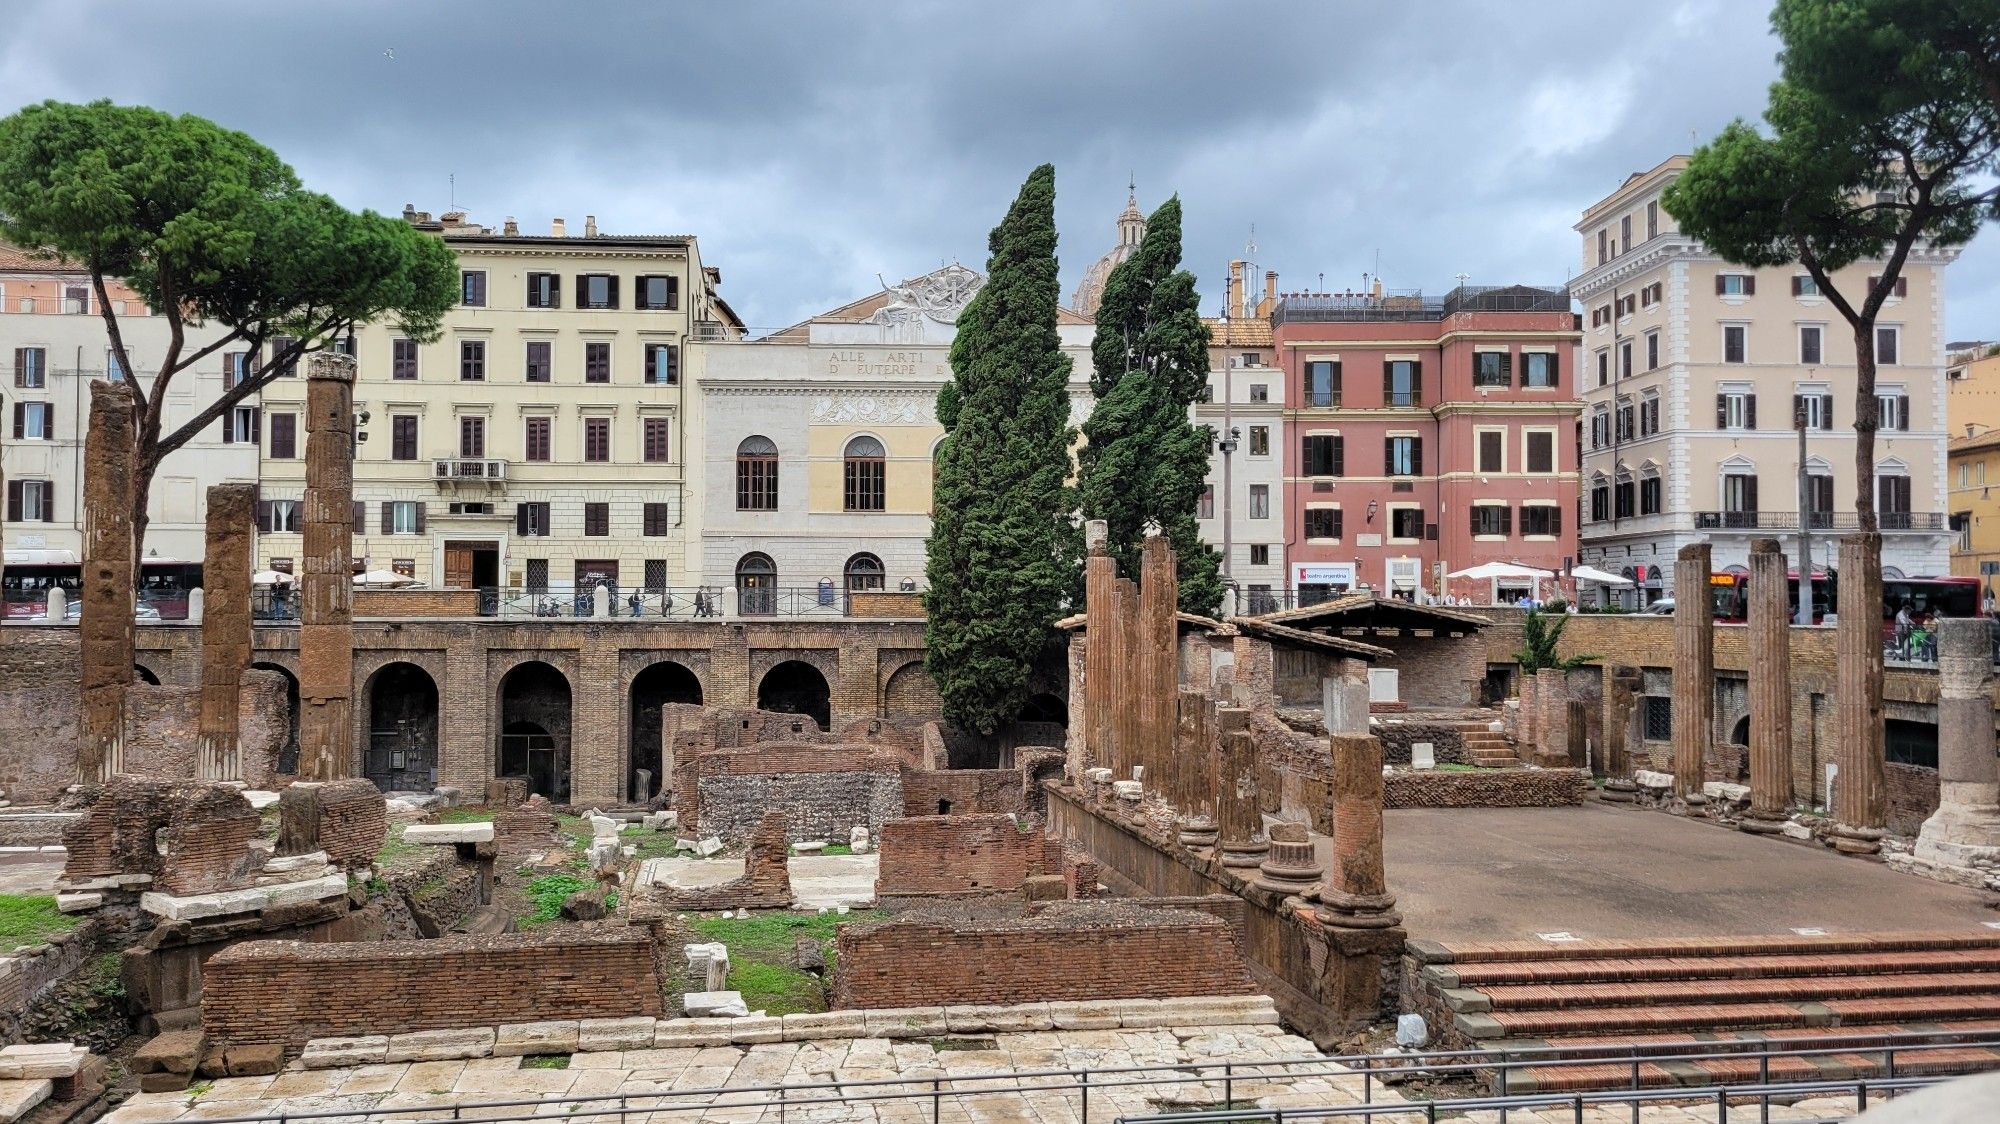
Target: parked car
1664, 607
145, 614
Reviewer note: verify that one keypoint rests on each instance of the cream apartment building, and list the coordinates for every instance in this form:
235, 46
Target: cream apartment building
1693, 369
540, 447
1242, 511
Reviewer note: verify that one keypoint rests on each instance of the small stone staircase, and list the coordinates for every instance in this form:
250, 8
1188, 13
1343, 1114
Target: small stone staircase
1486, 747
1759, 991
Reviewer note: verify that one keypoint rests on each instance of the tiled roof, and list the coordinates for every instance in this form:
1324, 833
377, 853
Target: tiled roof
1238, 332
16, 260
1987, 440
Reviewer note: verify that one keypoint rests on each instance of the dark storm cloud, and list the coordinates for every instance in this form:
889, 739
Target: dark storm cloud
812, 146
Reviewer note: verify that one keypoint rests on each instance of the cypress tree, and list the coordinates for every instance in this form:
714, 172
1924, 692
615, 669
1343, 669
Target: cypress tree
997, 565
1145, 461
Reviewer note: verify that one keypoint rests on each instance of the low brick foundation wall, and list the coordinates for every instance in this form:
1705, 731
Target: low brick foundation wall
1913, 795
943, 856
288, 992
823, 790
1487, 788
1397, 736
958, 792
29, 972
416, 603
1076, 951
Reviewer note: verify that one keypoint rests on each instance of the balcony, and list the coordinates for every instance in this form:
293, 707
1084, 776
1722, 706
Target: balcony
1920, 522
469, 472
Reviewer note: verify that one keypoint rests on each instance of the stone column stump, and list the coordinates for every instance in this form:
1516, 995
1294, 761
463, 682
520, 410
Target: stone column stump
1770, 691
1965, 830
1694, 674
1356, 894
109, 453
326, 586
1860, 801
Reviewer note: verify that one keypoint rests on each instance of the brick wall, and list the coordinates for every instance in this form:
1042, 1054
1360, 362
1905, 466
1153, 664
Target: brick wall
823, 790
765, 884
1487, 788
889, 604
1398, 734
1065, 951
416, 603
959, 855
530, 825
1913, 795
353, 820
950, 792
288, 991
192, 837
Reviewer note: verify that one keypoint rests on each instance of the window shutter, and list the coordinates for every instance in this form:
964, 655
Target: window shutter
1750, 411
555, 290
582, 289
1472, 521
1555, 521
1416, 456
229, 427
264, 516
1388, 382
421, 505
1507, 368
256, 425
521, 519
1902, 286
1750, 493
1721, 281
20, 366
1798, 285
1388, 456
13, 501
1339, 456
388, 517
1826, 411
1749, 284
1902, 411
1798, 404
1555, 369
20, 419
1431, 532
612, 288
1506, 520
360, 517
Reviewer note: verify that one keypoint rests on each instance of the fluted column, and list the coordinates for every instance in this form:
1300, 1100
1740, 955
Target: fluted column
1159, 661
1100, 576
1356, 894
1770, 690
326, 588
225, 627
1241, 824
106, 621
1860, 805
1621, 693
1694, 672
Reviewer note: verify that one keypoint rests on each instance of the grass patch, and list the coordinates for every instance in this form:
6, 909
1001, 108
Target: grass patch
397, 849
1454, 767
545, 1061
829, 849
550, 891
31, 919
775, 932
647, 843
465, 815
195, 1090
776, 989
763, 951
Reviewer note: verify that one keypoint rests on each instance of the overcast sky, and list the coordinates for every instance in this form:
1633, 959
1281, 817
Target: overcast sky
814, 145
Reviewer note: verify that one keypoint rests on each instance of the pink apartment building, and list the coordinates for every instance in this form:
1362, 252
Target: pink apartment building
1427, 435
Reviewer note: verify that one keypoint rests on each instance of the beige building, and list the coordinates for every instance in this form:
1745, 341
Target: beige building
540, 447
1693, 369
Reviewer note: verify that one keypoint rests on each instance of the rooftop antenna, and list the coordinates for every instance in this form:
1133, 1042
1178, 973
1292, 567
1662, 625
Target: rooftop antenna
1462, 278
1250, 247
454, 190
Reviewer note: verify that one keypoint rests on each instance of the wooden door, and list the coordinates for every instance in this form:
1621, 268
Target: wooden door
457, 566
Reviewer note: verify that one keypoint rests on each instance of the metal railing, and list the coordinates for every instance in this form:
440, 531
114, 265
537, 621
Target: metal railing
1892, 1056
1926, 521
690, 603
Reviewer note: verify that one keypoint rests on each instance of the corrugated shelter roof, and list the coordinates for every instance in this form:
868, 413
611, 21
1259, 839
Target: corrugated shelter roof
1188, 622
1284, 636
1365, 610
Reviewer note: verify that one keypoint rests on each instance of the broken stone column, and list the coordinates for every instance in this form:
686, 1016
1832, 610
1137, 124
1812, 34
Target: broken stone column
1860, 803
1292, 866
326, 587
1356, 894
1255, 687
1195, 768
1100, 578
1770, 691
1159, 663
1694, 673
1343, 698
1239, 821
225, 627
1552, 728
1965, 830
108, 607
1621, 700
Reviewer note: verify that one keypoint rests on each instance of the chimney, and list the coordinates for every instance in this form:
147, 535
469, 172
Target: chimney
511, 228
1270, 301
1235, 300
590, 226
1376, 291
557, 230
409, 212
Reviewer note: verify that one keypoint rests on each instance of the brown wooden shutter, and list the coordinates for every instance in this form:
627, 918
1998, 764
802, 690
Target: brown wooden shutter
1507, 368
582, 289
1388, 382
256, 425
1339, 456
1749, 284
14, 501
1472, 521
1555, 369
1826, 410
360, 517
1719, 283
1416, 456
421, 506
1388, 456
1750, 493
1798, 404
1750, 411
1798, 285
1555, 521
1506, 520
388, 517
20, 419
20, 366
611, 288
1903, 411
229, 427
264, 516
1722, 411
521, 519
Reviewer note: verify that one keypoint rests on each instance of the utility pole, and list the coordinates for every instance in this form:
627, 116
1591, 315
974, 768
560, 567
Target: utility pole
1804, 613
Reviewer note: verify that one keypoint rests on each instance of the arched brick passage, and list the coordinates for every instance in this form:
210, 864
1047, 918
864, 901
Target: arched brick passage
535, 722
911, 693
288, 754
662, 683
145, 674
1045, 707
400, 754
796, 687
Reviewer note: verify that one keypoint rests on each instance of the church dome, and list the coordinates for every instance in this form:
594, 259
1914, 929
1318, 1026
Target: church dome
1131, 228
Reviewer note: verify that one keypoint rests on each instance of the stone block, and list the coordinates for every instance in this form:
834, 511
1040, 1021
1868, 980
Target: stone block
34, 1061
81, 902
714, 1004
1126, 790
339, 1053
194, 907
1721, 790
254, 1060
441, 1045
1647, 778
177, 1051
905, 1022
993, 1018
662, 821
635, 1033
18, 1098
1069, 1015
708, 846
754, 1029
859, 842
162, 1082
603, 827
677, 1033
812, 847
825, 1024
260, 799
443, 833
517, 1039
314, 861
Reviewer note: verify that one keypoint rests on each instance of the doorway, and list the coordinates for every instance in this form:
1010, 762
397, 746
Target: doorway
471, 565
402, 729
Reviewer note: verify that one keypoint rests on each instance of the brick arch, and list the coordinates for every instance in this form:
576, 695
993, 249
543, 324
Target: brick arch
910, 692
762, 660
368, 662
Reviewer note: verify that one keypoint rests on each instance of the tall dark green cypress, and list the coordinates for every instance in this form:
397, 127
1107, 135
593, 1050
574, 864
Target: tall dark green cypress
998, 564
1145, 460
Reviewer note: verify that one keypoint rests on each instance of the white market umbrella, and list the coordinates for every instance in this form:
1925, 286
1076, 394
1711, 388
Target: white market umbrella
269, 577
1601, 577
1488, 571
383, 577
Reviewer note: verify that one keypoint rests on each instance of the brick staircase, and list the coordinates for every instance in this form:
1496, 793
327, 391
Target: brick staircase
1487, 747
1759, 991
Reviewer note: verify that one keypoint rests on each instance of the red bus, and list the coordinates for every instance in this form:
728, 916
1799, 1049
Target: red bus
25, 585
1926, 596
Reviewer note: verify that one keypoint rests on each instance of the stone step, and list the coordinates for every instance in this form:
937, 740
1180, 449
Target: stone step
486, 921
1716, 1071
1713, 1016
1798, 988
1503, 973
1488, 952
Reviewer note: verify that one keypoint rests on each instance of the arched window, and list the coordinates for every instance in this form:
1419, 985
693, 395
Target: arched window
863, 572
866, 473
756, 585
757, 474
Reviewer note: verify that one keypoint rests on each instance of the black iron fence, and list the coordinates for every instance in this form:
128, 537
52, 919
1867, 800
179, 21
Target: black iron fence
1926, 521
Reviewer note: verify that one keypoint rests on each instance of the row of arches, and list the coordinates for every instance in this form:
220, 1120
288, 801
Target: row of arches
757, 580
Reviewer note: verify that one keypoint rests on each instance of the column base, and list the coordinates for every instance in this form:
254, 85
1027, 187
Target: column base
1961, 836
1762, 823
1244, 854
1619, 790
1851, 840
1341, 910
1199, 834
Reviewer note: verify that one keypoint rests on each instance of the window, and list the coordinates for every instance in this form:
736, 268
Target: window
1625, 232
756, 585
1491, 519
544, 290
658, 293
863, 572
1886, 345
284, 355
535, 439
279, 517
1600, 500
1406, 522
1539, 370
472, 437
1541, 519
531, 520
1260, 553
1492, 445
1657, 290
864, 475
597, 440
1804, 286
402, 517
1260, 392
1403, 456
663, 364
472, 360
659, 521
1659, 718
403, 360
654, 445
1811, 340
1649, 495
1652, 351
1402, 383
1260, 501
31, 367
76, 300
1492, 368
1624, 419
34, 421
1322, 387
284, 436
1892, 502
1649, 414
1815, 406
1628, 304
1541, 451
596, 290
1600, 428
1205, 507
1735, 343
538, 572
1322, 454
1625, 360
1652, 218
1604, 366
1735, 285
113, 370
1622, 497
1892, 409
241, 426
597, 361
597, 520
1603, 246
472, 287
540, 362
1260, 440
757, 475
1739, 499
31, 501
1322, 522
402, 436
1961, 521
1736, 409
1901, 289
235, 369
